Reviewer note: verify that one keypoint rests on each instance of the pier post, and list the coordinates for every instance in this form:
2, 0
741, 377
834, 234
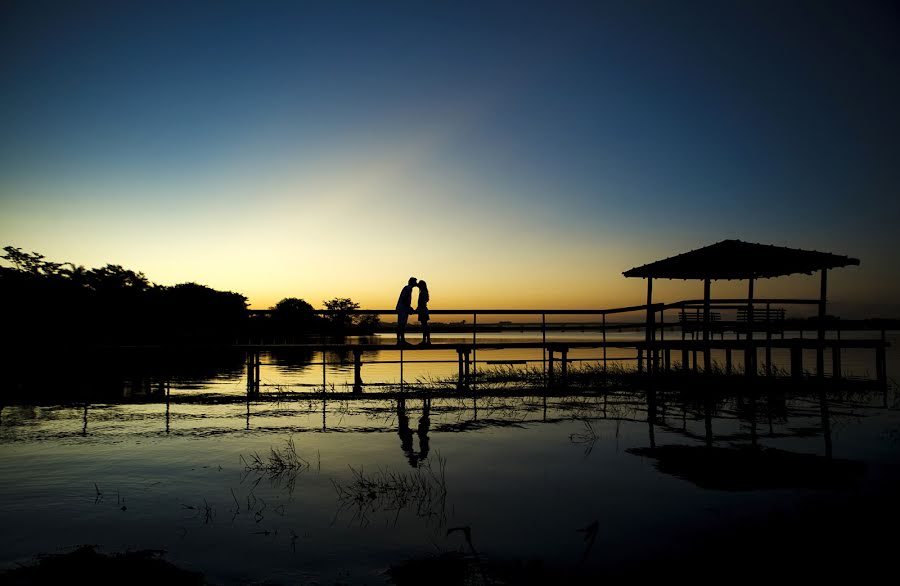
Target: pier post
707, 363
549, 366
604, 343
463, 367
685, 359
565, 365
728, 361
468, 376
357, 367
662, 339
544, 342
820, 350
768, 340
750, 350
252, 371
668, 360
474, 351
649, 326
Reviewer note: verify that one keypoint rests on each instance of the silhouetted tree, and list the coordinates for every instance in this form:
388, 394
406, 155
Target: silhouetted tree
114, 279
199, 312
367, 324
31, 263
294, 315
62, 302
344, 315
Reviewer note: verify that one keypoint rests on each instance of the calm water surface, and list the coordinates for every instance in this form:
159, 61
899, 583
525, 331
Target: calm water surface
287, 487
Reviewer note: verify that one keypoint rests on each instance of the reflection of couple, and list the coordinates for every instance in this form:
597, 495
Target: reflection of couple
406, 433
404, 308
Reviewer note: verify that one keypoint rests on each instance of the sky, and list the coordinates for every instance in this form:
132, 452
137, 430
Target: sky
512, 154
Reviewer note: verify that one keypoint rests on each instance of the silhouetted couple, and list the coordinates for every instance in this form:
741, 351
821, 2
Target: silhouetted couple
404, 309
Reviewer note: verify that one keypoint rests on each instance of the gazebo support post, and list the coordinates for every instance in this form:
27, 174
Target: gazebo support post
706, 350
750, 352
820, 350
650, 335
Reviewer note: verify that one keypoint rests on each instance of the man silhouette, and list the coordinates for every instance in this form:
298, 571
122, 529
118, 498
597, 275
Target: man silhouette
404, 308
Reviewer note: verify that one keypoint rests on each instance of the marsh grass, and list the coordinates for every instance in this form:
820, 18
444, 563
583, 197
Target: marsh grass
278, 461
422, 489
281, 466
586, 438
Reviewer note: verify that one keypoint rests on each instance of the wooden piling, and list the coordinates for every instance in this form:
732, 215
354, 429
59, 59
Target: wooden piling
707, 362
464, 376
357, 368
820, 350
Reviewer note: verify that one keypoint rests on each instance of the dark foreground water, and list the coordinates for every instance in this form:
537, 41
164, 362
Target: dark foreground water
706, 483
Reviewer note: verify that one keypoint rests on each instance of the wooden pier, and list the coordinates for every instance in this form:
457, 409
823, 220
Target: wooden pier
752, 325
670, 345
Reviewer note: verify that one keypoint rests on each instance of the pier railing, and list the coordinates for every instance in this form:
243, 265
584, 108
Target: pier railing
665, 317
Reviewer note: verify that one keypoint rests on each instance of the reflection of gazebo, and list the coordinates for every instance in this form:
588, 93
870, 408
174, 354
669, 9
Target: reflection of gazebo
735, 259
751, 468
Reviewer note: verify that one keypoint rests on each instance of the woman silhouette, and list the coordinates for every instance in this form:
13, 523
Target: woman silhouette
422, 309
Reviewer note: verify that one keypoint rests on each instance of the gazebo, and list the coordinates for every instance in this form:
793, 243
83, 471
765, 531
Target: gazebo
735, 259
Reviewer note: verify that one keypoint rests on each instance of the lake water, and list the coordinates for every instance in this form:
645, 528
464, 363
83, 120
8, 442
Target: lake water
291, 486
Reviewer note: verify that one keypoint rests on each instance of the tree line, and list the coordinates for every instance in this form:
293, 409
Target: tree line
51, 302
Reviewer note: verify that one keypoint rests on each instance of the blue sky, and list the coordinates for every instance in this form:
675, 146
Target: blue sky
516, 153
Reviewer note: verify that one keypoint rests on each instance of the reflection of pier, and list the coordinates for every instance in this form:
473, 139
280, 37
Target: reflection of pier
691, 431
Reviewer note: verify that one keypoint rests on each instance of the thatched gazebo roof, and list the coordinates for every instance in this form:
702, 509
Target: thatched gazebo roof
735, 259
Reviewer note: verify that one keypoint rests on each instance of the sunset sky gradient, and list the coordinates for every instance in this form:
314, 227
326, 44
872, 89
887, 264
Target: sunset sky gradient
513, 154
